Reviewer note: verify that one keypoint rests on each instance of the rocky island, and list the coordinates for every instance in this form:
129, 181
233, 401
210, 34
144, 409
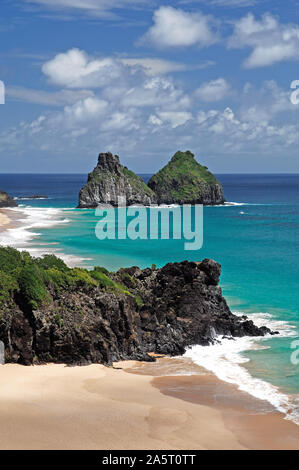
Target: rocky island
51, 313
182, 181
6, 200
109, 180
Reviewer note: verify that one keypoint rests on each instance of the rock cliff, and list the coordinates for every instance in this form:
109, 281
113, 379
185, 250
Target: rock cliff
50, 313
184, 181
109, 180
6, 200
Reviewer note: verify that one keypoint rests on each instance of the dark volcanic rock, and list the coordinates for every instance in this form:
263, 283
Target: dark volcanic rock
109, 180
6, 200
165, 311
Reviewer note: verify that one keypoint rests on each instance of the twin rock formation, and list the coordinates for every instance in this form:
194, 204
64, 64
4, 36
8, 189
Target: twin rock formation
182, 181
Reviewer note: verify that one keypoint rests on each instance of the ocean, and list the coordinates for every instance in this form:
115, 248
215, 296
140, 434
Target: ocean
255, 238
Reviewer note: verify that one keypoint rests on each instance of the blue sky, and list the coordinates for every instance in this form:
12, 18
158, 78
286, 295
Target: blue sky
145, 78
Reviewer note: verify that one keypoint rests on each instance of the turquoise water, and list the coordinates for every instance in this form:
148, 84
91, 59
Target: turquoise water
256, 243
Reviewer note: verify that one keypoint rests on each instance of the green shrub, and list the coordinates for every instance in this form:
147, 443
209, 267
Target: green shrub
59, 320
102, 278
81, 277
32, 286
7, 285
106, 282
58, 279
139, 301
51, 261
101, 270
10, 259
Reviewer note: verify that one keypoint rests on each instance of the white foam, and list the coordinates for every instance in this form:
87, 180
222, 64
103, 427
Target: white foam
235, 203
30, 198
225, 360
22, 237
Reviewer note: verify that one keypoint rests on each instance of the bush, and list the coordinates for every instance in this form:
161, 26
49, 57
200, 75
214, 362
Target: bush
58, 279
101, 270
10, 259
81, 277
7, 285
32, 286
102, 278
51, 261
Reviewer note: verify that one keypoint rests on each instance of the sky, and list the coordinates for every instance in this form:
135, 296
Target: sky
145, 78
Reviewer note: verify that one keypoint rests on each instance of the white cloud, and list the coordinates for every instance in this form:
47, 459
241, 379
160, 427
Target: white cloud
215, 90
228, 3
175, 118
100, 8
153, 66
75, 69
59, 98
271, 41
83, 110
177, 28
159, 92
137, 114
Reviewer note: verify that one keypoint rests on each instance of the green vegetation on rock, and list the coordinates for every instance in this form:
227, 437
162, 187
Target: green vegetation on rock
184, 181
111, 180
136, 181
37, 279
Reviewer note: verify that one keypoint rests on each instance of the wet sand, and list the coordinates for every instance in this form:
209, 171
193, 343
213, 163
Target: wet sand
10, 218
131, 406
4, 219
255, 423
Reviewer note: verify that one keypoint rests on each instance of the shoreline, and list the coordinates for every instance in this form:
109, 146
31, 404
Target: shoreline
15, 219
20, 219
256, 423
7, 219
131, 406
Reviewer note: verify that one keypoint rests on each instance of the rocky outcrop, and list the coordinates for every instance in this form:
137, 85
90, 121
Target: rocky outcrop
156, 310
110, 180
6, 200
184, 181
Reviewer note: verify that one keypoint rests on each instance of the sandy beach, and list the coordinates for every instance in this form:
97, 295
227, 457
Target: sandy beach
126, 407
4, 219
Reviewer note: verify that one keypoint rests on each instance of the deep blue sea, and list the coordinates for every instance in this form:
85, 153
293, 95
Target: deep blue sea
256, 240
